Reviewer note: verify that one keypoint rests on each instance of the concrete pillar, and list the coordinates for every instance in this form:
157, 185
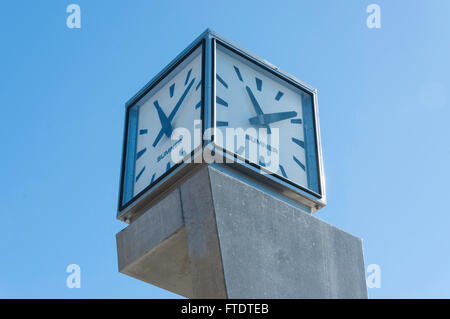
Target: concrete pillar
218, 236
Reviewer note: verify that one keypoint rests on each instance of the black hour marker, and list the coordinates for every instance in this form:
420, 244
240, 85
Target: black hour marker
168, 166
299, 163
258, 84
172, 88
283, 172
153, 178
140, 173
140, 153
198, 104
238, 73
187, 77
221, 81
142, 132
279, 95
221, 123
198, 85
296, 121
298, 142
221, 102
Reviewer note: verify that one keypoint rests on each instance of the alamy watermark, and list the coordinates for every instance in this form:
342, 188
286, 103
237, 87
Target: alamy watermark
255, 145
73, 20
373, 280
73, 280
374, 19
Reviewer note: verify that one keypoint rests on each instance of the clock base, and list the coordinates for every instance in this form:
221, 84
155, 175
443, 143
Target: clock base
218, 236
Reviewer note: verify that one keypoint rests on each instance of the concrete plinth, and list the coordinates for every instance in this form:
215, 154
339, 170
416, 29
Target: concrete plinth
217, 236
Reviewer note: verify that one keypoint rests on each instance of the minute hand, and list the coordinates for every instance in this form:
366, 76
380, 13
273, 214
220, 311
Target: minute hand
266, 119
174, 111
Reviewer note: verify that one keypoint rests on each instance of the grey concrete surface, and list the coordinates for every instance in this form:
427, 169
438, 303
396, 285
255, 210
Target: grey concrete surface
203, 242
271, 249
153, 247
217, 236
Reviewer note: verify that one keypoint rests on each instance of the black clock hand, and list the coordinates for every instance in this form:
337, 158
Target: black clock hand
165, 124
266, 119
256, 105
177, 106
254, 102
174, 111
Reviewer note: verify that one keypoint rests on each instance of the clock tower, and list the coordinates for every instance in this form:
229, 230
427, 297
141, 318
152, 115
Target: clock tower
221, 172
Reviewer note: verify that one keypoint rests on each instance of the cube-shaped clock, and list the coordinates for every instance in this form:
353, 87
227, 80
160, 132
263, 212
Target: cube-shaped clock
218, 104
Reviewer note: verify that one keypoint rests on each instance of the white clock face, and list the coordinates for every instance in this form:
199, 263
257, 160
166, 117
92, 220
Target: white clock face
248, 96
173, 103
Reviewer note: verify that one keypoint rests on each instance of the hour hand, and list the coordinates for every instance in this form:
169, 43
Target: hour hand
256, 105
268, 118
165, 123
254, 101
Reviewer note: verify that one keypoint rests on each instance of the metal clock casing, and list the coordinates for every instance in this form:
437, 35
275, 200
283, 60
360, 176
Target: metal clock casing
235, 89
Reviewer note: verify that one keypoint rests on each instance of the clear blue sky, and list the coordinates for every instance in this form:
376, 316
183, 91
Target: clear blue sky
384, 108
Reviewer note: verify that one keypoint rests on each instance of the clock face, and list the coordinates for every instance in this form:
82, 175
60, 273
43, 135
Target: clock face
174, 103
249, 97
